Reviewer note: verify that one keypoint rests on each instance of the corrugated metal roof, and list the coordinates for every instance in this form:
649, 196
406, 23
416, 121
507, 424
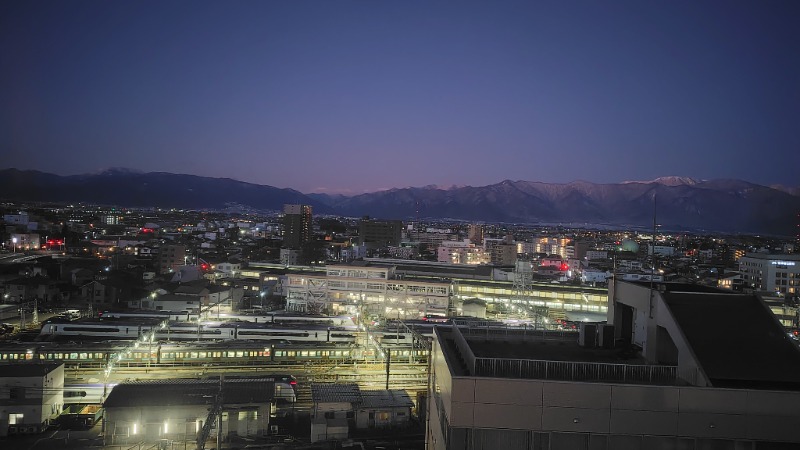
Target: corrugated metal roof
335, 393
393, 398
190, 392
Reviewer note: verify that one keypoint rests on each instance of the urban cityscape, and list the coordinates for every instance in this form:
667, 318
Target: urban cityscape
155, 327
405, 226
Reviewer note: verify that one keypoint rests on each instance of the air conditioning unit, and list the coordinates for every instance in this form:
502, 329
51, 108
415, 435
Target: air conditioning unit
588, 335
605, 335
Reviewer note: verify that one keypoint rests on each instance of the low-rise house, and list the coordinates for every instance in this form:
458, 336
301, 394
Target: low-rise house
338, 404
178, 410
32, 288
384, 409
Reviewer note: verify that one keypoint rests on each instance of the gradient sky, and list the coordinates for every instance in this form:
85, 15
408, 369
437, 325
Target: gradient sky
354, 96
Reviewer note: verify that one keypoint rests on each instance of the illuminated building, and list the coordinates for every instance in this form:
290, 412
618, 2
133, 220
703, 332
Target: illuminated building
375, 289
296, 225
462, 252
693, 386
149, 411
772, 273
414, 288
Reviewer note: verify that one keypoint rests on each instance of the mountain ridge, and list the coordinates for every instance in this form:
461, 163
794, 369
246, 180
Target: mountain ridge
728, 205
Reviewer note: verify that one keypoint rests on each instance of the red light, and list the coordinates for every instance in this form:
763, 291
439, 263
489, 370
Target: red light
204, 266
147, 230
293, 382
564, 267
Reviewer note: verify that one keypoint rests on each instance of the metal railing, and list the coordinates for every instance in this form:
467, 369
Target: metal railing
575, 371
518, 333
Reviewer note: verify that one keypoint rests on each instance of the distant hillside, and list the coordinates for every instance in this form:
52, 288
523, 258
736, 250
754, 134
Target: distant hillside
158, 189
683, 203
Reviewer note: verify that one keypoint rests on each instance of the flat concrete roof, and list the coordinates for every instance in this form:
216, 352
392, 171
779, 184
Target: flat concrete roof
31, 369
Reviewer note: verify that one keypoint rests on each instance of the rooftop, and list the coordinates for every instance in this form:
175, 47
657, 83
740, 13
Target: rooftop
546, 356
775, 256
190, 392
392, 398
335, 393
16, 370
743, 346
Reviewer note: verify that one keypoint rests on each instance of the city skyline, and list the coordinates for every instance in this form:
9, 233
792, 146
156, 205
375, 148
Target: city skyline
353, 97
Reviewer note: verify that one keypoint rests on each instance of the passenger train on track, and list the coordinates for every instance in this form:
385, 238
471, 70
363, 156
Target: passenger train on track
187, 331
97, 354
273, 318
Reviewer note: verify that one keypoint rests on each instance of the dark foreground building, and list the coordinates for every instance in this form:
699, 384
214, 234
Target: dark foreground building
677, 367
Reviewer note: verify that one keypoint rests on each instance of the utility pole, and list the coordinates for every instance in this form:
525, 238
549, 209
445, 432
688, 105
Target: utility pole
214, 415
219, 412
388, 367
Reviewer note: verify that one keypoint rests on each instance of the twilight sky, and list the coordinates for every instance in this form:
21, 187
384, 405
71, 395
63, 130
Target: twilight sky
354, 96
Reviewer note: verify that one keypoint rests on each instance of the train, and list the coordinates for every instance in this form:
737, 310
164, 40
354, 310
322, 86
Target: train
272, 318
130, 329
98, 354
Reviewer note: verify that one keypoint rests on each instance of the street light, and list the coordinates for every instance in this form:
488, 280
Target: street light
14, 240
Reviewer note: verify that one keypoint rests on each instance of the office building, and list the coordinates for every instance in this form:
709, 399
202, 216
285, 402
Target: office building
771, 273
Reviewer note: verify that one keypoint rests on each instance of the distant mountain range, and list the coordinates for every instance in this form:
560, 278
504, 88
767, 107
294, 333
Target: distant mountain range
124, 187
682, 203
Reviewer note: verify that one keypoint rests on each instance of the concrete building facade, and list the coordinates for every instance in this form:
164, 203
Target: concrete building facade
31, 396
772, 273
685, 390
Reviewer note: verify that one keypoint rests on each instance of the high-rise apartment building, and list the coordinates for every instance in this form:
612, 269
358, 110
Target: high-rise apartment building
475, 234
296, 225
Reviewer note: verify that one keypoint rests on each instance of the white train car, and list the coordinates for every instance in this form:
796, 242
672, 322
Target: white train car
188, 331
